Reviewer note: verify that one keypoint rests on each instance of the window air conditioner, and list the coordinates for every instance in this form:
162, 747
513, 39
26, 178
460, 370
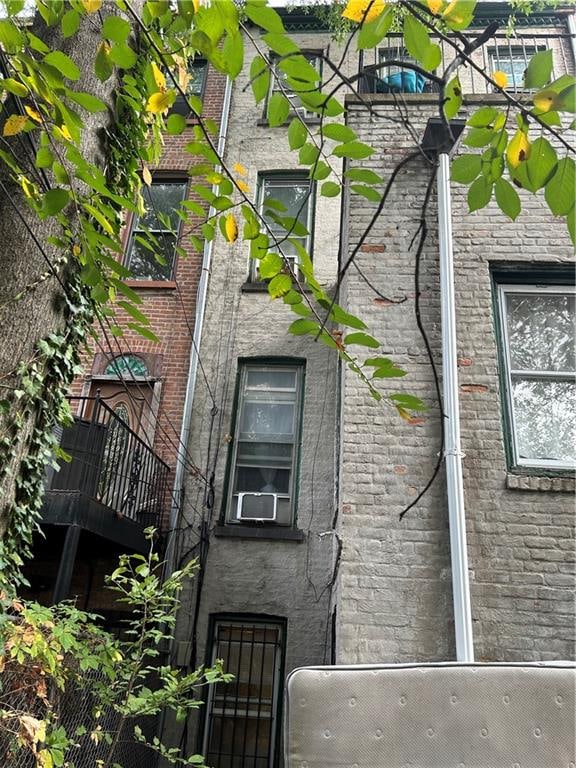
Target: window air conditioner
259, 507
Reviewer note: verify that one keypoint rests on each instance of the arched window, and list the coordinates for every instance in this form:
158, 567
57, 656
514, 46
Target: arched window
126, 366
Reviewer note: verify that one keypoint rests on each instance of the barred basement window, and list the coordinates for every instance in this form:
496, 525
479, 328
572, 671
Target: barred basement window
151, 251
265, 451
540, 365
242, 716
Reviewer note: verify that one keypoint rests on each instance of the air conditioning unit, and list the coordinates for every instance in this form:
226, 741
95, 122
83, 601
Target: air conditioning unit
257, 507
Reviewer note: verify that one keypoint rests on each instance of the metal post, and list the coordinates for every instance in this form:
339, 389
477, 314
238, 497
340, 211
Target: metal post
67, 562
453, 452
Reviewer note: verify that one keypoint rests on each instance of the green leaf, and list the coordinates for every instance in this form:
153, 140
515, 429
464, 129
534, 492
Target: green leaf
355, 150
478, 137
507, 198
408, 401
342, 317
465, 168
571, 222
11, 39
280, 43
13, 86
362, 339
175, 124
432, 57
103, 66
279, 285
54, 201
233, 51
321, 171
123, 56
374, 31
116, 29
459, 15
146, 333
297, 134
541, 164
134, 312
308, 154
479, 194
368, 192
259, 78
302, 327
363, 175
416, 38
63, 64
330, 189
44, 158
270, 265
264, 17
453, 95
278, 110
539, 70
70, 23
384, 368
483, 117
87, 101
338, 132
299, 68
559, 192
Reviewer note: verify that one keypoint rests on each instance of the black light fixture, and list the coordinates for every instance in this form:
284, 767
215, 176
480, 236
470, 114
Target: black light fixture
440, 136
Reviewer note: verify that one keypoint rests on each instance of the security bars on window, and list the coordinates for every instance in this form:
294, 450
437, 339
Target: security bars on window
538, 332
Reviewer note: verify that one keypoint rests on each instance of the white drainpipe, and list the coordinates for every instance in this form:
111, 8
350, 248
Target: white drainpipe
177, 495
452, 449
572, 31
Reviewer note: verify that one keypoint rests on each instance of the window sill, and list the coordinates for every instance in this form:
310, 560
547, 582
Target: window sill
258, 286
263, 123
259, 532
163, 284
552, 483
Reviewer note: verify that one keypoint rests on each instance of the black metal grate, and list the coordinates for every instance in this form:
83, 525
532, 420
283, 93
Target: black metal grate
241, 717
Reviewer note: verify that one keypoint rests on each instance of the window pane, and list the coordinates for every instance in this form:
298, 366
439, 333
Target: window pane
541, 331
294, 196
270, 378
262, 480
267, 419
162, 198
545, 420
143, 264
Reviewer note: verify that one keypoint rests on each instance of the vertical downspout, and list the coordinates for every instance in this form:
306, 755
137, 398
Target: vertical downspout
453, 451
177, 495
572, 31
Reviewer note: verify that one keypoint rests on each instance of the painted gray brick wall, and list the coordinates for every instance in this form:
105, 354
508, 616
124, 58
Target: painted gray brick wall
394, 592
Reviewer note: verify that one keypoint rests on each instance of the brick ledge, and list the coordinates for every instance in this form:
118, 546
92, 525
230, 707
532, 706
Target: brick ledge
566, 484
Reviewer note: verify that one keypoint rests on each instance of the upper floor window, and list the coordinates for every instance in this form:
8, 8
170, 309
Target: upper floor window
286, 196
540, 368
242, 716
197, 70
151, 251
265, 449
280, 82
513, 60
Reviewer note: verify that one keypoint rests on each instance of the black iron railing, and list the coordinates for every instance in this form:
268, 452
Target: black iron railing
382, 70
111, 464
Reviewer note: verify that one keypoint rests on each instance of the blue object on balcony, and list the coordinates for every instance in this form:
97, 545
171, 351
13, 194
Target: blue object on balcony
401, 82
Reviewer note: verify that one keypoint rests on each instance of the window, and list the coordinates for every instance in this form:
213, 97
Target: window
280, 83
265, 449
197, 70
513, 60
282, 196
126, 367
152, 246
242, 716
397, 79
539, 355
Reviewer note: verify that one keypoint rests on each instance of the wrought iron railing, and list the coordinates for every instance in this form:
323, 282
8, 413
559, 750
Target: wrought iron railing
508, 54
110, 463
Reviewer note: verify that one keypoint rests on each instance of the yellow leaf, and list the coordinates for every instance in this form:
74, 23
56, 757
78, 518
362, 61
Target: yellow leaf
158, 75
44, 759
546, 101
239, 169
518, 149
92, 6
33, 114
76, 250
435, 6
403, 413
196, 4
243, 186
146, 176
231, 228
14, 125
160, 102
28, 187
363, 10
500, 78
184, 77
65, 132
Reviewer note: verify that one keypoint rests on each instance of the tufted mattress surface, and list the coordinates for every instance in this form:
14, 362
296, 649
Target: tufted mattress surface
431, 716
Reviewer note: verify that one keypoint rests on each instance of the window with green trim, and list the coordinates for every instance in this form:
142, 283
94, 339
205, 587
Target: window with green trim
265, 447
537, 325
151, 251
284, 196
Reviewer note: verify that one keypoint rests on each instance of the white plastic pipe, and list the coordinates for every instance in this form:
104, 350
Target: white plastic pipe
202, 292
452, 447
572, 31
